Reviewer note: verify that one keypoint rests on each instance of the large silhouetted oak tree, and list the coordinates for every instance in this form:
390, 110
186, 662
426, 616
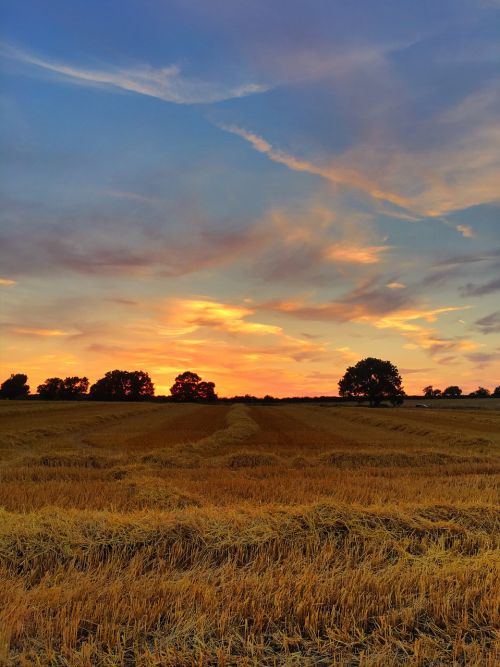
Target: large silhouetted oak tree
69, 389
123, 386
190, 387
372, 380
15, 387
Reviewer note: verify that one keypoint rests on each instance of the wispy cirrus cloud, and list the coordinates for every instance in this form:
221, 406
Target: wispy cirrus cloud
164, 83
391, 313
490, 323
460, 171
107, 251
338, 175
482, 359
349, 310
43, 333
474, 289
470, 258
313, 243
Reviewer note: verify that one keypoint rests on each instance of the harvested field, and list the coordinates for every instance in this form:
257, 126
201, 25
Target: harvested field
156, 534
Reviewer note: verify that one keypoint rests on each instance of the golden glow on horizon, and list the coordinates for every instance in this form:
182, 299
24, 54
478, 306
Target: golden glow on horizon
242, 356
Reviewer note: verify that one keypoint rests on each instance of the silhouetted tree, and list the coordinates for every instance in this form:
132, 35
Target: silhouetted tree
481, 392
15, 387
496, 392
190, 387
123, 386
51, 389
206, 391
452, 392
75, 387
68, 389
430, 392
373, 380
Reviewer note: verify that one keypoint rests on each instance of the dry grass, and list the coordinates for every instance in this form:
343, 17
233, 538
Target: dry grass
143, 535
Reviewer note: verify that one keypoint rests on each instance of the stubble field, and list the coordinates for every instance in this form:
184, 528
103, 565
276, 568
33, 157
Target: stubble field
156, 534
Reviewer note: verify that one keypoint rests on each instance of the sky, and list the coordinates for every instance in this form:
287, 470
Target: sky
263, 192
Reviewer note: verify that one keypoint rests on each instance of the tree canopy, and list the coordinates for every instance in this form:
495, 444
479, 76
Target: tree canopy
481, 392
15, 387
122, 386
373, 380
189, 386
452, 392
430, 392
68, 389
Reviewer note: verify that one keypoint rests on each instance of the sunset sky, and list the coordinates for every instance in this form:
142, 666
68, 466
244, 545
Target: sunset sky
263, 192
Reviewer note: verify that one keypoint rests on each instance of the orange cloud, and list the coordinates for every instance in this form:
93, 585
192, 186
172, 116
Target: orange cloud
403, 320
50, 333
345, 310
187, 315
466, 231
422, 337
312, 243
352, 254
406, 321
5, 282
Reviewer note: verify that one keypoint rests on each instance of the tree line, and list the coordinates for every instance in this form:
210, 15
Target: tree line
371, 379
113, 386
455, 392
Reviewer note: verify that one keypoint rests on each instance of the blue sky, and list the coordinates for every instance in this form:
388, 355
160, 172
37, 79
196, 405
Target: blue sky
262, 192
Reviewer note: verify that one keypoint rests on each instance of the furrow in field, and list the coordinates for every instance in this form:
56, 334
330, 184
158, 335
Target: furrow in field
169, 426
400, 429
68, 422
284, 430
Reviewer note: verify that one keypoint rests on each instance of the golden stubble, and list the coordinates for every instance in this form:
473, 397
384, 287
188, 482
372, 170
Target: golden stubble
232, 535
